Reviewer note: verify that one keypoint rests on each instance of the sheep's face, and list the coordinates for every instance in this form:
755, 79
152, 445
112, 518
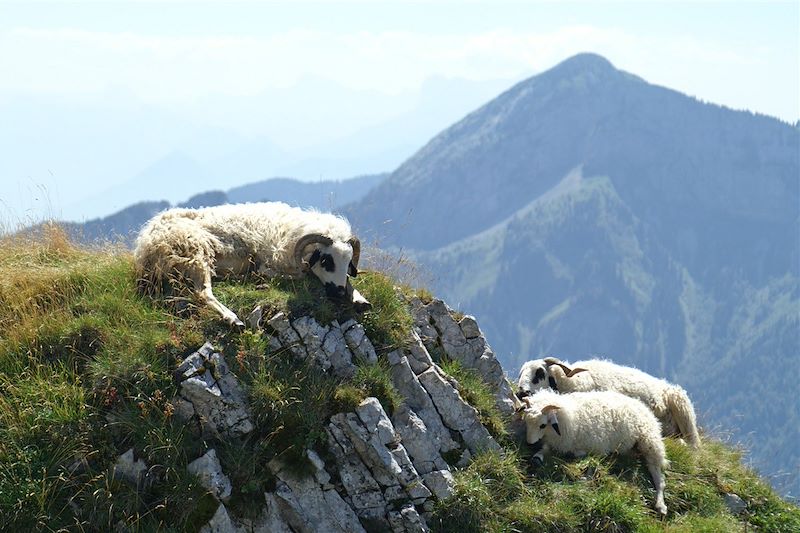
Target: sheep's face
533, 376
331, 264
537, 422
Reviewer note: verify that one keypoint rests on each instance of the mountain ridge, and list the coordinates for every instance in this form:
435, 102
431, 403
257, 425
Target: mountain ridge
690, 216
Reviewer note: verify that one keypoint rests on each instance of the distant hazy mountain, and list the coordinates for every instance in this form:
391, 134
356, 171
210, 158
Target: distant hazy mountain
323, 195
119, 227
585, 211
67, 156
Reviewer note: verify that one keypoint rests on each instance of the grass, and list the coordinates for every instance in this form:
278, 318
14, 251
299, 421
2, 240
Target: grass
501, 492
85, 374
477, 393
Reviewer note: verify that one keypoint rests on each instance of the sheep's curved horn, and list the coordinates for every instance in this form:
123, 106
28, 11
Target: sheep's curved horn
549, 361
547, 408
356, 244
304, 241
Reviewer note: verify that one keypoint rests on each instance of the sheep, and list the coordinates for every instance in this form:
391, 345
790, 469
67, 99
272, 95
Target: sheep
669, 402
600, 422
269, 238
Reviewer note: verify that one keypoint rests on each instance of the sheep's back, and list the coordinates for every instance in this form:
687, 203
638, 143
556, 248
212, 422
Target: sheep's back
602, 422
608, 376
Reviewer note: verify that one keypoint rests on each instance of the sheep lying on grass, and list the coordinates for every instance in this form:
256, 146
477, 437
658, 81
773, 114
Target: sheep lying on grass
595, 422
268, 238
669, 402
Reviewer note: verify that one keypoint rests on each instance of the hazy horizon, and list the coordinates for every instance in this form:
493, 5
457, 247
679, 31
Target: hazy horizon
199, 96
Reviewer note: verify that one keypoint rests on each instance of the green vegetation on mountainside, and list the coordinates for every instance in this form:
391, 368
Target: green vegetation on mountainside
86, 373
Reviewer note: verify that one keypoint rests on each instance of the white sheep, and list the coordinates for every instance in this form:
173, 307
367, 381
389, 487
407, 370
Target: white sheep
669, 402
269, 238
600, 422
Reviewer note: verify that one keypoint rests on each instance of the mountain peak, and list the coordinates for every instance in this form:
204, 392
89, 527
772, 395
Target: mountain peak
582, 64
587, 60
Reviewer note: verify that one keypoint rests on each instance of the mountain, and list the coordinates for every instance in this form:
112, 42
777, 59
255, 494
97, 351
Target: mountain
324, 195
587, 212
123, 225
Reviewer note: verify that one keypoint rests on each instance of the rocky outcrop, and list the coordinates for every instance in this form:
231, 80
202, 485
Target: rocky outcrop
209, 472
462, 340
380, 473
216, 398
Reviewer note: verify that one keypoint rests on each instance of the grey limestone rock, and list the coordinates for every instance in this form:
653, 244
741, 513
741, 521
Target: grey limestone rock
463, 341
407, 520
358, 342
311, 333
220, 522
440, 483
335, 347
418, 356
736, 505
209, 471
456, 413
469, 327
287, 335
270, 520
129, 469
417, 398
215, 393
307, 507
418, 440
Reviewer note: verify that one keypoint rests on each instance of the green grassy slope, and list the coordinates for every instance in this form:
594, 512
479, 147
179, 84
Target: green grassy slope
86, 373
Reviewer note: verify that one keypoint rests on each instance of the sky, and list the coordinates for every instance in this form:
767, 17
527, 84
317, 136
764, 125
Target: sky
93, 94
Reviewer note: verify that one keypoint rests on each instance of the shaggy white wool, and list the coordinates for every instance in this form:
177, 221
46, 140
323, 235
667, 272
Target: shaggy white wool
667, 401
196, 244
600, 422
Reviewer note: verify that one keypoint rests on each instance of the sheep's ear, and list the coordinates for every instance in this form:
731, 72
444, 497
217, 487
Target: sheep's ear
553, 419
352, 270
551, 361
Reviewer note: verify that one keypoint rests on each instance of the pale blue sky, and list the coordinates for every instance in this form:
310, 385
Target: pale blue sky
306, 75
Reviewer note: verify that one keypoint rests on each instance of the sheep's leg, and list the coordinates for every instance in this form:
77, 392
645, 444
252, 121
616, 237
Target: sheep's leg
540, 449
654, 466
202, 289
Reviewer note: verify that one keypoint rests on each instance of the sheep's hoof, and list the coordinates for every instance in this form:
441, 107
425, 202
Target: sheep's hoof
234, 322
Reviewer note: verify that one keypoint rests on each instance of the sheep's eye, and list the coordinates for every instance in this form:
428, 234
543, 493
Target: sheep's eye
542, 426
326, 262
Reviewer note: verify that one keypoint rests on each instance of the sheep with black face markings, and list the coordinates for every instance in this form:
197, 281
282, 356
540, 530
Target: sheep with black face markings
669, 402
595, 422
269, 238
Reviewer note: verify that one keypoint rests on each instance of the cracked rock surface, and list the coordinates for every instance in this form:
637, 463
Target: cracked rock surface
209, 472
378, 471
214, 393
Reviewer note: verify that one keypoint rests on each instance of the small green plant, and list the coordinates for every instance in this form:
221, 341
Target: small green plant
389, 321
375, 380
478, 394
